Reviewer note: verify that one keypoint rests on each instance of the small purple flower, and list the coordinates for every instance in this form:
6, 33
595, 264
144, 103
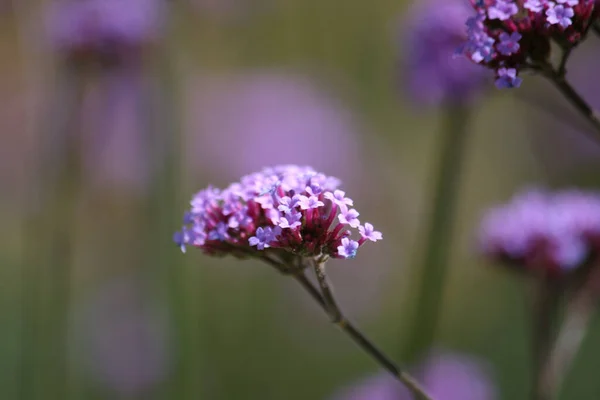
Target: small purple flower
368, 232
263, 237
339, 197
307, 203
560, 15
219, 233
502, 10
348, 248
291, 220
509, 44
507, 78
288, 204
535, 5
349, 217
313, 189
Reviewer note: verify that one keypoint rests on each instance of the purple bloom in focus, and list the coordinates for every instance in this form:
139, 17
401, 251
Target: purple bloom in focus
368, 232
349, 217
502, 10
541, 22
287, 218
348, 248
291, 220
306, 203
339, 197
446, 376
535, 5
432, 72
552, 232
263, 237
560, 15
509, 44
507, 78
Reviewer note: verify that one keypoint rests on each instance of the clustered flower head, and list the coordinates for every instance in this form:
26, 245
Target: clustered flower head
106, 31
286, 207
509, 36
550, 233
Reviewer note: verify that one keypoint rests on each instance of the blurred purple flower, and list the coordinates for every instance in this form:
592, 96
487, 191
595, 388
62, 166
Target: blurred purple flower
105, 30
553, 232
123, 340
446, 376
433, 74
270, 116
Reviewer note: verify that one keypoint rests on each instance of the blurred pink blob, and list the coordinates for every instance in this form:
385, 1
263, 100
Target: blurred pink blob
123, 340
241, 123
446, 376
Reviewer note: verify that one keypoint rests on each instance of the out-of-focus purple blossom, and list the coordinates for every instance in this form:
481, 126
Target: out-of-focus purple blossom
550, 232
282, 214
537, 24
123, 340
507, 78
105, 30
446, 376
433, 73
277, 116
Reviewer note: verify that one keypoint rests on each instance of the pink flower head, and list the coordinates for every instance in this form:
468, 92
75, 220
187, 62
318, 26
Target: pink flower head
552, 232
276, 209
510, 36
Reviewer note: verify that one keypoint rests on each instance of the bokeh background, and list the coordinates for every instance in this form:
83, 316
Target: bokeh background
98, 164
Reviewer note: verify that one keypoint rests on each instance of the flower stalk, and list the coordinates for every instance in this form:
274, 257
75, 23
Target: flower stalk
434, 265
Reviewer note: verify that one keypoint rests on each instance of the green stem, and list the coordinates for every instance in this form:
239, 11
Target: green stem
580, 310
545, 317
432, 269
48, 250
325, 300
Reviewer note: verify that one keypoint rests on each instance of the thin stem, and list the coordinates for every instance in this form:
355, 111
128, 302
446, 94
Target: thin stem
433, 266
576, 100
545, 314
330, 307
572, 333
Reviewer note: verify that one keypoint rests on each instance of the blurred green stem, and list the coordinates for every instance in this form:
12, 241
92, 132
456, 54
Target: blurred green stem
432, 269
580, 310
48, 249
545, 314
326, 300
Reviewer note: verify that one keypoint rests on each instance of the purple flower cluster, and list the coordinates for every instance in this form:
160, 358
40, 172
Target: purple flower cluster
512, 35
106, 30
286, 207
550, 232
